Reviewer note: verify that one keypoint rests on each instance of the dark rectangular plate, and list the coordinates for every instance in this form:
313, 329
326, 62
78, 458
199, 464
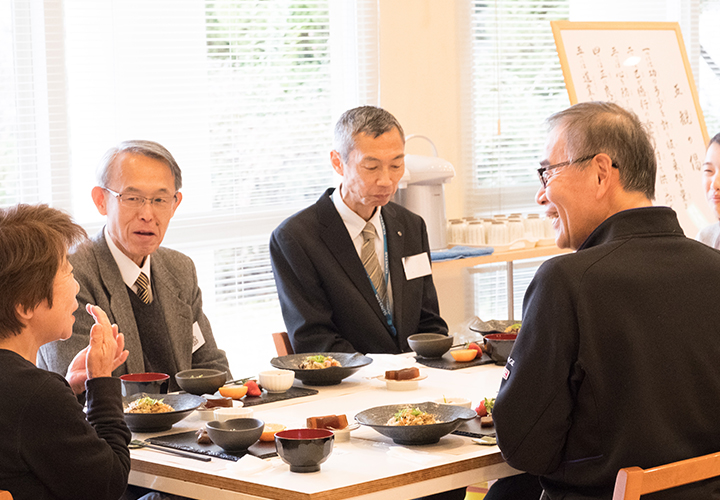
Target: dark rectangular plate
472, 428
448, 363
187, 441
270, 397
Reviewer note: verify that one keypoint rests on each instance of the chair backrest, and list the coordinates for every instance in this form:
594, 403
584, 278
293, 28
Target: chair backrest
631, 482
282, 344
5, 495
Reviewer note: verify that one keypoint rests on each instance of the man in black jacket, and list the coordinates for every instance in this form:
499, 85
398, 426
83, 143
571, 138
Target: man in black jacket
616, 363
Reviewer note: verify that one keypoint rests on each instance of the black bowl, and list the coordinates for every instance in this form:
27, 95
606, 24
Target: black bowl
201, 381
184, 404
430, 345
351, 362
236, 434
499, 346
149, 382
304, 449
450, 418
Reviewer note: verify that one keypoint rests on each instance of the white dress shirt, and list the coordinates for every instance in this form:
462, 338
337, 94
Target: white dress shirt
128, 269
355, 225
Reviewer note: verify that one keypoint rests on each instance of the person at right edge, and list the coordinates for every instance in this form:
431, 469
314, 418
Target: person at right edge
616, 363
710, 235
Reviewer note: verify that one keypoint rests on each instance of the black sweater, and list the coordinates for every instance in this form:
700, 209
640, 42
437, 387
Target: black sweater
48, 448
617, 363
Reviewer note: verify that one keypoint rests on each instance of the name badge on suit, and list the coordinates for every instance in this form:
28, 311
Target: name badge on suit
417, 266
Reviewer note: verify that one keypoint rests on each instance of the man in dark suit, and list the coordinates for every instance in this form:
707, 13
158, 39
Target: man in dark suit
353, 270
151, 292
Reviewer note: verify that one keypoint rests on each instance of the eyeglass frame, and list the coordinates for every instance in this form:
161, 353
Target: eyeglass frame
544, 167
145, 199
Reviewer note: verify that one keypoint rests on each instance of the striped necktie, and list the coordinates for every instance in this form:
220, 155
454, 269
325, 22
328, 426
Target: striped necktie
372, 264
143, 285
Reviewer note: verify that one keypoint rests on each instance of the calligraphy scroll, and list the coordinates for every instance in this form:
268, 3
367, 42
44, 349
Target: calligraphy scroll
644, 67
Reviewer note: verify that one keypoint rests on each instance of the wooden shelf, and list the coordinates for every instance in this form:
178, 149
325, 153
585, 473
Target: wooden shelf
530, 253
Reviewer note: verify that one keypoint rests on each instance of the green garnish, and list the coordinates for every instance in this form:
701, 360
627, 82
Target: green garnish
407, 411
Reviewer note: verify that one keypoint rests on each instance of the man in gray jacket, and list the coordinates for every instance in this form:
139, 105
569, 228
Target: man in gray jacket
149, 291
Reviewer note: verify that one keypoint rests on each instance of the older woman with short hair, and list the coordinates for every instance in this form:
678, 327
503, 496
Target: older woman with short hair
50, 449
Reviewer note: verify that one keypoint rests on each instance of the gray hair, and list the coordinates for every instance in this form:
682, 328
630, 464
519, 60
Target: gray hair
146, 148
590, 128
363, 120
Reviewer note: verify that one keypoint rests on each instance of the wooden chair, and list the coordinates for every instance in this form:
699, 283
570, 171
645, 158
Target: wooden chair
631, 482
5, 495
282, 344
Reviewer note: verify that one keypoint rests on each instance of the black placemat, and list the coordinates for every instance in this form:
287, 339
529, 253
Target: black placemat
472, 428
187, 441
447, 362
270, 397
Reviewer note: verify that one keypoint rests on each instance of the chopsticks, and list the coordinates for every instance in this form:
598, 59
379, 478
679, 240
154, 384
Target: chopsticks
137, 443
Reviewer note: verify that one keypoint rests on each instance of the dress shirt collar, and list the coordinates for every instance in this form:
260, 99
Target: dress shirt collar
354, 223
128, 269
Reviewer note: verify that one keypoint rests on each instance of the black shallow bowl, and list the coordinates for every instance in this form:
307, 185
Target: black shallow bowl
236, 434
201, 381
351, 362
430, 345
450, 418
184, 404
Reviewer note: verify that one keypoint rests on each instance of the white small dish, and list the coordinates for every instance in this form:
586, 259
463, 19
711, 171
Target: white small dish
343, 435
206, 414
402, 385
276, 381
223, 414
455, 401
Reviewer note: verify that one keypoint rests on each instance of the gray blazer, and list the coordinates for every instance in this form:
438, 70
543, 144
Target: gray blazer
174, 284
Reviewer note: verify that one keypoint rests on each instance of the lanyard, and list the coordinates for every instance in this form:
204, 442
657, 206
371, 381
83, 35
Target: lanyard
384, 305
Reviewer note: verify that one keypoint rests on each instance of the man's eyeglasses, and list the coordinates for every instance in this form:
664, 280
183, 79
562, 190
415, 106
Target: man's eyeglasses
160, 203
545, 167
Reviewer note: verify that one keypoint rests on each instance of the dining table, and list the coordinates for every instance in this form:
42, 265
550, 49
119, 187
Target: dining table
368, 466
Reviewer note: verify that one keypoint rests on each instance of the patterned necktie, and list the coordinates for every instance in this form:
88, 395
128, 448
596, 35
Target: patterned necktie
143, 285
370, 261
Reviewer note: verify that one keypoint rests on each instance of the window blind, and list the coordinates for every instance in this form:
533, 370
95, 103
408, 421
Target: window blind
244, 93
517, 83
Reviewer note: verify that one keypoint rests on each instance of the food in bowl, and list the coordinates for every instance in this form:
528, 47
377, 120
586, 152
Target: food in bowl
327, 422
404, 374
514, 328
412, 416
148, 405
318, 362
